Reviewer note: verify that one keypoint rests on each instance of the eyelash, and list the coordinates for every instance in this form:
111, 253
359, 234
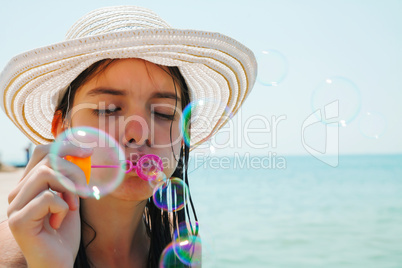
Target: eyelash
108, 112
169, 117
105, 112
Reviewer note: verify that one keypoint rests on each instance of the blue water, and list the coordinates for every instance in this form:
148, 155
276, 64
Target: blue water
304, 214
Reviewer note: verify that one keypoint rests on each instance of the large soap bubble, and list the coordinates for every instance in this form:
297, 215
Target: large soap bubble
272, 67
195, 111
372, 125
104, 170
340, 90
185, 249
172, 195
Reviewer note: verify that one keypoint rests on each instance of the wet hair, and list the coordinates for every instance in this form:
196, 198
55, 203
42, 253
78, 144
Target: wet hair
160, 224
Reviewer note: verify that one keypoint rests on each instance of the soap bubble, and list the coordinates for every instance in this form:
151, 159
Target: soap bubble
168, 258
104, 169
185, 248
172, 195
372, 125
194, 112
158, 180
198, 111
272, 67
200, 156
340, 90
149, 167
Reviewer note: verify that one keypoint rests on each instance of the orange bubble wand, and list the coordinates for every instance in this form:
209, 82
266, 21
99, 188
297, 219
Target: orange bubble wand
85, 164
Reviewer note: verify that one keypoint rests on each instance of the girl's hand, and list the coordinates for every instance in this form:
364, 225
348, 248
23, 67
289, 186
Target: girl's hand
43, 215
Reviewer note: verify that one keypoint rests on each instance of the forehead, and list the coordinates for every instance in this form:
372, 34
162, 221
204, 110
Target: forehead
135, 76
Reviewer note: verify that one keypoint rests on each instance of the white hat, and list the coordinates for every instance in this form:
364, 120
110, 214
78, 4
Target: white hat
213, 65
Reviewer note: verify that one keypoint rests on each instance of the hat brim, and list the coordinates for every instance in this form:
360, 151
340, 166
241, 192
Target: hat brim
213, 65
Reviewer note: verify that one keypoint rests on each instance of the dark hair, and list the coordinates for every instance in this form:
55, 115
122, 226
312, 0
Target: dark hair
163, 224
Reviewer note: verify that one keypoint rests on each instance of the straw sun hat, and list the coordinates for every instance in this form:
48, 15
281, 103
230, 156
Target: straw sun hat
214, 66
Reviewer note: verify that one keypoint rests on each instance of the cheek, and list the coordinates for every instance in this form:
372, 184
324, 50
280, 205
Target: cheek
166, 133
80, 118
112, 126
108, 126
170, 141
169, 159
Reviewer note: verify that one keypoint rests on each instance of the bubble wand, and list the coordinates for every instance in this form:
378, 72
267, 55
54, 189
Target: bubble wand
149, 167
106, 158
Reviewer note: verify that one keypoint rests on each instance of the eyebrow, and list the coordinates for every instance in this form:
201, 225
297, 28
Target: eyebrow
166, 95
106, 91
117, 92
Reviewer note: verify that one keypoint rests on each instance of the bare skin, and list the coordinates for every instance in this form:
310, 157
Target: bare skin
11, 254
46, 226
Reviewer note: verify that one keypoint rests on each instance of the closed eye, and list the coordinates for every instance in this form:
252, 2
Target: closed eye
164, 116
105, 112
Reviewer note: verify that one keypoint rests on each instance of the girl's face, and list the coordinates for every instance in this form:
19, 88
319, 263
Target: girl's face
135, 102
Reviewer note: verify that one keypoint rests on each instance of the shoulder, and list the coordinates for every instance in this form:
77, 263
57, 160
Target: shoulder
10, 253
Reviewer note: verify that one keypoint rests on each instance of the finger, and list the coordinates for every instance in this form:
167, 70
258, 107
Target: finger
71, 199
38, 154
30, 219
65, 167
63, 149
44, 179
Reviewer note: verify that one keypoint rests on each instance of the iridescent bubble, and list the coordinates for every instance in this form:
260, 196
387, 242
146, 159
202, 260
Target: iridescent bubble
158, 181
201, 155
185, 249
338, 90
169, 259
272, 67
199, 111
372, 125
186, 245
188, 250
149, 167
104, 169
172, 195
194, 112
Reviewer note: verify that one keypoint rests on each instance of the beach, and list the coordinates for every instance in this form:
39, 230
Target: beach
8, 180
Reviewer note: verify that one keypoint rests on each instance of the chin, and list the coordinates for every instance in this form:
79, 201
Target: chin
133, 189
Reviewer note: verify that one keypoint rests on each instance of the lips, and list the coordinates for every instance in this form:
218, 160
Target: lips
133, 158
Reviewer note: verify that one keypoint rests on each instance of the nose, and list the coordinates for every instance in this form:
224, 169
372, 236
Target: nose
136, 132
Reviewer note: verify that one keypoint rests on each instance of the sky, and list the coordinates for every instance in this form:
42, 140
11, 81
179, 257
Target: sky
310, 54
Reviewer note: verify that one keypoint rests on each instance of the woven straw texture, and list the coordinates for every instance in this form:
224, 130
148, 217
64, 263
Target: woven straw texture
214, 66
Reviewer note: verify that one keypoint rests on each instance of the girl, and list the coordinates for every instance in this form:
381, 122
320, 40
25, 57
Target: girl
117, 63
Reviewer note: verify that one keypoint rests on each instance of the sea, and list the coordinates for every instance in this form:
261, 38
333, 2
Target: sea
300, 212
